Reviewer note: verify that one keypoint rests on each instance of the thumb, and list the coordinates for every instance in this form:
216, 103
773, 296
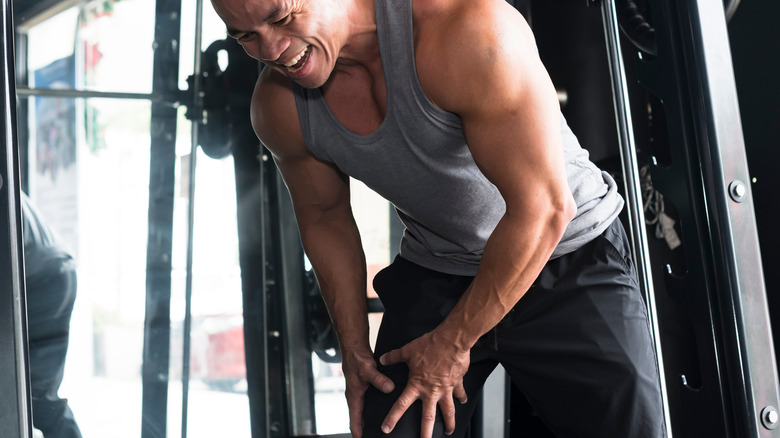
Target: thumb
393, 357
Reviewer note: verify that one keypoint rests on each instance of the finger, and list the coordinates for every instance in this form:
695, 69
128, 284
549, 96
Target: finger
448, 414
355, 406
460, 393
428, 418
392, 357
382, 382
399, 408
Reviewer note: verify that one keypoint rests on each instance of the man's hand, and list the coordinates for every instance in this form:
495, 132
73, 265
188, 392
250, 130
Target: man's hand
436, 370
360, 371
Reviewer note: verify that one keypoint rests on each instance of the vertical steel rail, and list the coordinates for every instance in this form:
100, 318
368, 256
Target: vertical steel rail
15, 407
252, 211
162, 166
297, 354
750, 358
197, 105
628, 158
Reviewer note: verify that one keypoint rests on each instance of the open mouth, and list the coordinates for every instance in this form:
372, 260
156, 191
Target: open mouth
297, 63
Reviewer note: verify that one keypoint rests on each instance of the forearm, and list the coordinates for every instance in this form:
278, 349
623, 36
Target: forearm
334, 248
515, 253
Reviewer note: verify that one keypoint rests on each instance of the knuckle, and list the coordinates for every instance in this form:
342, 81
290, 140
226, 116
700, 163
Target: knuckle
448, 411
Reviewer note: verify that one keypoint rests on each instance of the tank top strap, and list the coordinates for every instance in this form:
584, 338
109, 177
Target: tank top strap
396, 43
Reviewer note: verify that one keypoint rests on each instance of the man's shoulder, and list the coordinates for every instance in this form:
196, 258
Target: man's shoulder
274, 114
272, 94
474, 39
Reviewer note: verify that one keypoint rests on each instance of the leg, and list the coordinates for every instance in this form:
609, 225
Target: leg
378, 404
580, 349
416, 300
50, 302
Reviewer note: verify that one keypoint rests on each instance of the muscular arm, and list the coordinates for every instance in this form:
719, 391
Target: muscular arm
320, 197
511, 120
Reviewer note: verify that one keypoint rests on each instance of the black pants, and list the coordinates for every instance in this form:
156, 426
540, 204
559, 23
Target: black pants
577, 344
51, 293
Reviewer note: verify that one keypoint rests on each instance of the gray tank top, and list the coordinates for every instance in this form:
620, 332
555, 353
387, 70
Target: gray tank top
419, 161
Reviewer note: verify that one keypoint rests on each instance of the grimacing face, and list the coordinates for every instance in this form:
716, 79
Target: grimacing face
301, 39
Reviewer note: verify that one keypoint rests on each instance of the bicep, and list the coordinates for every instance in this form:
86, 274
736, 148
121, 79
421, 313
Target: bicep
515, 139
509, 109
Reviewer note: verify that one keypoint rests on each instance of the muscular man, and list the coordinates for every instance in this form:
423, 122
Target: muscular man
511, 252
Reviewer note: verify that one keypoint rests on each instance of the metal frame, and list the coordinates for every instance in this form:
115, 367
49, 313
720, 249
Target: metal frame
15, 398
722, 290
635, 203
290, 386
157, 325
750, 361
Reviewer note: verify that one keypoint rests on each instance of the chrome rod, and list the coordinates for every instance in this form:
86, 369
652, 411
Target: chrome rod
70, 93
198, 100
628, 158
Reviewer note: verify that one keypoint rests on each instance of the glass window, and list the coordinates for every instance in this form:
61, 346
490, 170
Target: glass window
88, 173
89, 162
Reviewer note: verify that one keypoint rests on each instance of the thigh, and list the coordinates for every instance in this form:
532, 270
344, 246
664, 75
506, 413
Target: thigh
416, 300
580, 347
378, 404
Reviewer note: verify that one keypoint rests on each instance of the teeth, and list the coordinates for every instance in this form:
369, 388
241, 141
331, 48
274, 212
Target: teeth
297, 58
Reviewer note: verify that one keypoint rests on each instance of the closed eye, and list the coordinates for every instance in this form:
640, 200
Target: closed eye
244, 37
283, 21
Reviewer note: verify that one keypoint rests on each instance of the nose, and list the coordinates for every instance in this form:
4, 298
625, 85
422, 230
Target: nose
271, 45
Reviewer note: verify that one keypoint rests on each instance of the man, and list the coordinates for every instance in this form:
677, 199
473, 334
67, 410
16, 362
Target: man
50, 277
511, 253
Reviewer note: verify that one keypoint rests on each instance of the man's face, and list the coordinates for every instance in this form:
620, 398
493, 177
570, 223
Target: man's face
299, 38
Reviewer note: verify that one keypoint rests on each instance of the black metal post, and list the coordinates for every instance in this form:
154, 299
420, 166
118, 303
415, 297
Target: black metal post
249, 197
732, 390
15, 407
157, 326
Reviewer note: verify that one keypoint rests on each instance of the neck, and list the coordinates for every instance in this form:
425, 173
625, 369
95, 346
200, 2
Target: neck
362, 46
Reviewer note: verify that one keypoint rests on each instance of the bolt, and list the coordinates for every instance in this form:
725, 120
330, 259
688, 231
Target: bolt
737, 190
770, 417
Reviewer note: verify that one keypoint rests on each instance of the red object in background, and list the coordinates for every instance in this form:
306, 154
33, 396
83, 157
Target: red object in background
225, 355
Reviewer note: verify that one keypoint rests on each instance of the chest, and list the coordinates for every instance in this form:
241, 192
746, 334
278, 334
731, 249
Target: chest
357, 98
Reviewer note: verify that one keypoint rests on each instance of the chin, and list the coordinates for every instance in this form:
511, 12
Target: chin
311, 81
